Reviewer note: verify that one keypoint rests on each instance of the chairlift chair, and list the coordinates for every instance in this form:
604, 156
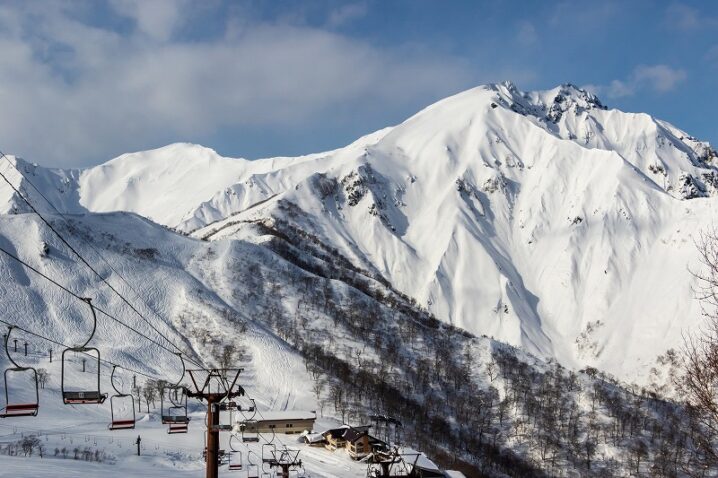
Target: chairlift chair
173, 405
19, 408
235, 461
120, 423
252, 468
269, 452
249, 436
177, 423
82, 397
235, 457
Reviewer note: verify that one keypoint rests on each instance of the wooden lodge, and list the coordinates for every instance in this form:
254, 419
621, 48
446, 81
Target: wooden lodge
287, 422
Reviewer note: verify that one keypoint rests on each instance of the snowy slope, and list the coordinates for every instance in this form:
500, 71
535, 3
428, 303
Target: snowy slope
165, 275
543, 219
310, 323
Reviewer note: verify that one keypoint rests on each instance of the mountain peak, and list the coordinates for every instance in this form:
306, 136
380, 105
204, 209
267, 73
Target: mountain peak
550, 104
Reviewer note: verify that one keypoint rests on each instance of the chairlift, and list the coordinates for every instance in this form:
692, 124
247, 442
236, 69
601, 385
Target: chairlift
173, 405
252, 468
249, 436
235, 461
14, 407
267, 441
116, 399
82, 397
269, 453
235, 456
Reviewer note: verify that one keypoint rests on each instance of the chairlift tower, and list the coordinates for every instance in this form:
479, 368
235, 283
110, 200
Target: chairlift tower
214, 386
392, 464
286, 460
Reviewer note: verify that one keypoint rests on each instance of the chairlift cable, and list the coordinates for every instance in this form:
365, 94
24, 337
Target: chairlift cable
75, 295
84, 261
48, 339
64, 218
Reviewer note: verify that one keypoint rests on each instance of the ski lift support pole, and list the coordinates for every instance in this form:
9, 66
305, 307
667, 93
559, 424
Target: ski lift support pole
203, 391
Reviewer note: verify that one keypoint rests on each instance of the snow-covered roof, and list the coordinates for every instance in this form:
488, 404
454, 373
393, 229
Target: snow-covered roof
454, 474
313, 437
422, 462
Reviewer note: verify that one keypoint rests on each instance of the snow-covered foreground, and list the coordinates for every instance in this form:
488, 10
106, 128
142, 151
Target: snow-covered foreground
162, 455
67, 433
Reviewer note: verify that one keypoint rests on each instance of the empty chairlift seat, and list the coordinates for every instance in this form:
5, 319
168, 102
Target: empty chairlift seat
178, 427
82, 393
173, 405
22, 397
235, 461
122, 407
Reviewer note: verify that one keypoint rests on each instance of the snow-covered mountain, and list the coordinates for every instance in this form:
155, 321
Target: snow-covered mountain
543, 219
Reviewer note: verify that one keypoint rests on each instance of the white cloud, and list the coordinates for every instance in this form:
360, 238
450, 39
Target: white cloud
658, 78
679, 16
526, 34
346, 13
712, 55
682, 17
618, 88
661, 78
155, 18
74, 94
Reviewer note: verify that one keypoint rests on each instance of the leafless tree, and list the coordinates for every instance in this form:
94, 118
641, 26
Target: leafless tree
42, 376
699, 380
150, 393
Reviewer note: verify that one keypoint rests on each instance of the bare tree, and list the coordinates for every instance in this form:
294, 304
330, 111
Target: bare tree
699, 380
42, 376
226, 357
150, 393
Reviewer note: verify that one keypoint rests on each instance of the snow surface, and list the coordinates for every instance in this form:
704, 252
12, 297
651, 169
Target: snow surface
542, 219
172, 282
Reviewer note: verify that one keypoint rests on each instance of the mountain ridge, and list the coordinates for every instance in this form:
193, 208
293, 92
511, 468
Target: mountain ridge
537, 191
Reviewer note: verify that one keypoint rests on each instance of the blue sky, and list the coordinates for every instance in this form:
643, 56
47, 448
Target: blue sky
84, 81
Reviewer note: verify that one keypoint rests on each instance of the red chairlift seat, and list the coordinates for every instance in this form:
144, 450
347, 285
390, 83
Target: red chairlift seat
174, 419
122, 425
235, 457
179, 427
24, 408
117, 420
20, 410
173, 405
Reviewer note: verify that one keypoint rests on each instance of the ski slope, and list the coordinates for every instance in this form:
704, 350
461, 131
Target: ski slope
178, 304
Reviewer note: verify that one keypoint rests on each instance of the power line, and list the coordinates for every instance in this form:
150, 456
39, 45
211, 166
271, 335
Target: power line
46, 222
88, 243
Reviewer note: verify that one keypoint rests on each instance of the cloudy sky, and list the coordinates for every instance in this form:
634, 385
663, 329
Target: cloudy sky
84, 81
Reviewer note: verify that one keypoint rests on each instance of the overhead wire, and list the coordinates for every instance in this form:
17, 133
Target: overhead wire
84, 261
56, 342
75, 295
89, 244
100, 276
